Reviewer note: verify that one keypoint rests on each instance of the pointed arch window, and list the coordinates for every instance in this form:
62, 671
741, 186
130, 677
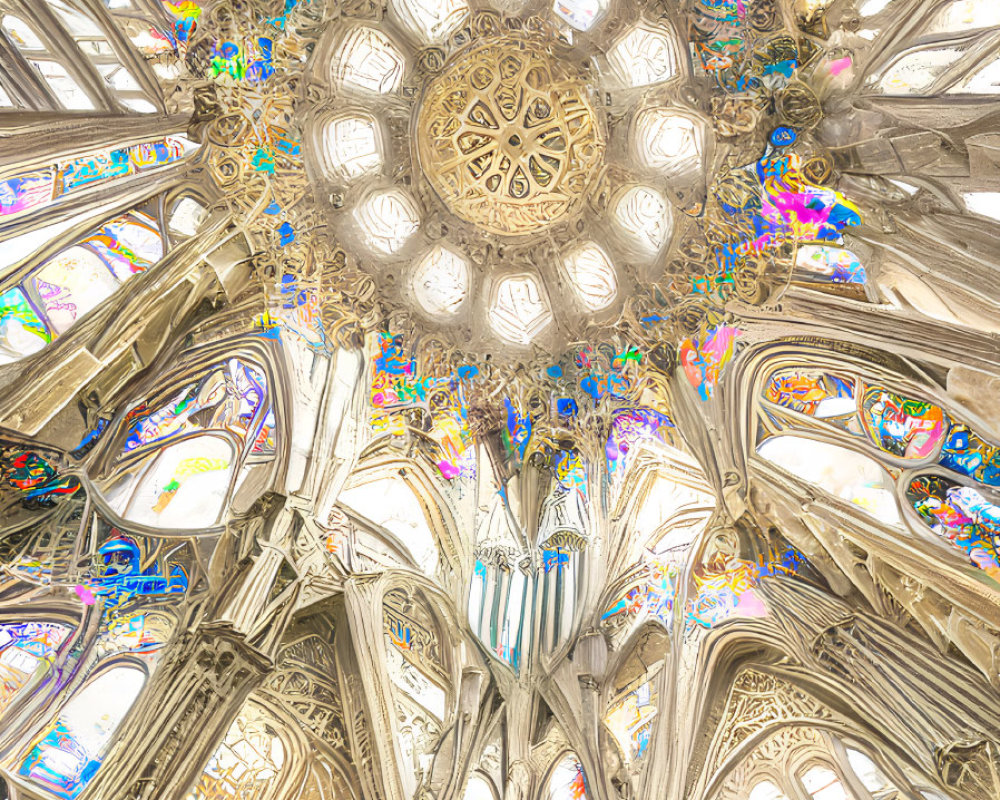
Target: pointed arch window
413, 649
26, 648
182, 460
68, 285
67, 754
955, 53
567, 780
480, 787
630, 720
822, 783
64, 87
499, 594
390, 504
37, 188
766, 790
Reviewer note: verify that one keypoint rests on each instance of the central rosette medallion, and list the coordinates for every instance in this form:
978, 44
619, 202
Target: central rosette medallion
507, 135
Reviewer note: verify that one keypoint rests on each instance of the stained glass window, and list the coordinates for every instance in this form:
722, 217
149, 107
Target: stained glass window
567, 781
26, 650
630, 720
182, 459
67, 754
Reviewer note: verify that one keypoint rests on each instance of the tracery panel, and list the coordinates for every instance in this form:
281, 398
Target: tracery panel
889, 452
179, 458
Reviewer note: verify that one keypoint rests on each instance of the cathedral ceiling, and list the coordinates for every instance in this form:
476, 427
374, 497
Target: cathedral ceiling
499, 399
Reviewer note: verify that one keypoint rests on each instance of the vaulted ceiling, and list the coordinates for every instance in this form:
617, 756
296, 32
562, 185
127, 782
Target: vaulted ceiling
499, 400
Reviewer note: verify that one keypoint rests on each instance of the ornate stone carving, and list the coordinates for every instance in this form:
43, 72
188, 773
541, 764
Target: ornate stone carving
507, 135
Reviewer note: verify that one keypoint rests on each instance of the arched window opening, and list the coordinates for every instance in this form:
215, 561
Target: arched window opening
181, 461
871, 777
75, 281
562, 539
27, 650
499, 594
823, 783
581, 14
68, 753
60, 82
479, 788
441, 281
766, 790
956, 497
249, 761
592, 275
413, 649
37, 188
643, 216
630, 720
186, 217
819, 263
669, 141
567, 780
645, 55
841, 472
94, 44
390, 504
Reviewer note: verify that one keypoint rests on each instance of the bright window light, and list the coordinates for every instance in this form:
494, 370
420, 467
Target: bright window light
823, 784
369, 61
839, 471
581, 14
519, 311
431, 21
986, 204
643, 215
387, 220
765, 790
441, 281
353, 146
668, 141
644, 55
592, 275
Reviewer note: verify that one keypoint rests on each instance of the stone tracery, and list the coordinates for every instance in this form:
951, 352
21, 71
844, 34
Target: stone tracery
463, 400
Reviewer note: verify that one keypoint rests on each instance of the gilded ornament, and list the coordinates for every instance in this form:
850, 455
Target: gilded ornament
507, 136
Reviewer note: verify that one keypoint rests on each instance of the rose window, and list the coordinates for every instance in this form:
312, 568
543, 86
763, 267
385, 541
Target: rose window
508, 138
460, 155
